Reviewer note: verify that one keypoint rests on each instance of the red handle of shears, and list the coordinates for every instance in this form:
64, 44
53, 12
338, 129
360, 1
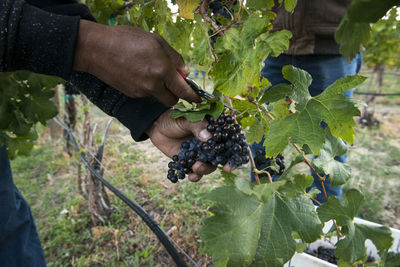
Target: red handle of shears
183, 75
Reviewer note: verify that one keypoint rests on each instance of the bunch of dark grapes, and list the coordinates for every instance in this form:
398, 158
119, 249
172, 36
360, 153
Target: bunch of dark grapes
219, 9
263, 163
323, 253
227, 145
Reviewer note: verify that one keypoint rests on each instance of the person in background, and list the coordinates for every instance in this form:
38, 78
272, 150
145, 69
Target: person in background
130, 74
312, 48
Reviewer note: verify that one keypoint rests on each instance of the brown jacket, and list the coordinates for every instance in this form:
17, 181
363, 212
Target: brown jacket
313, 24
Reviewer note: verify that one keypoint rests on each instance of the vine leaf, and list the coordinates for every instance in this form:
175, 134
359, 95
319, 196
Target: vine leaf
186, 8
289, 4
276, 42
344, 210
392, 259
304, 126
256, 131
241, 52
338, 172
24, 101
254, 224
352, 247
369, 10
202, 54
351, 35
193, 114
298, 184
260, 4
281, 108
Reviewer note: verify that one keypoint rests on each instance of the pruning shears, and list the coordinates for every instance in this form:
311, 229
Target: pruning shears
200, 91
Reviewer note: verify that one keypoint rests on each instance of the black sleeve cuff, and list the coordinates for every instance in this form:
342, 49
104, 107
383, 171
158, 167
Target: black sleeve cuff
45, 42
137, 114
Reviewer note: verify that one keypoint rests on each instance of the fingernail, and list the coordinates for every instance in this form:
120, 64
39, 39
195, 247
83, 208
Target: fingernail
204, 134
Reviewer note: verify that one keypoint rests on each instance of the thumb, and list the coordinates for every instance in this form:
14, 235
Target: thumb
198, 129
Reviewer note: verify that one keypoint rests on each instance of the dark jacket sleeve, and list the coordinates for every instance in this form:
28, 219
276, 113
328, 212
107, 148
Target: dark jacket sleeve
40, 36
35, 40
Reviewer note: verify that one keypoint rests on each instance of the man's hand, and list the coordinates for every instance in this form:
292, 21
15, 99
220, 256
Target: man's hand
133, 61
167, 134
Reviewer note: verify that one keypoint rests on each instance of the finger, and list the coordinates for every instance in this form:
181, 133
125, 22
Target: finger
201, 168
228, 168
179, 87
198, 129
165, 96
174, 56
193, 177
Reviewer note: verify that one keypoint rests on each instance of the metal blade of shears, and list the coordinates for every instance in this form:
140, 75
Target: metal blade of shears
200, 91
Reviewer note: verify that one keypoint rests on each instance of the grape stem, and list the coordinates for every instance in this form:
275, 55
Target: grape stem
253, 164
206, 18
221, 30
313, 199
260, 109
264, 172
321, 180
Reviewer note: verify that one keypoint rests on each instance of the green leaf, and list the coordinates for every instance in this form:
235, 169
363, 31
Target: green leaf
342, 263
255, 132
186, 8
251, 222
276, 93
211, 108
5, 111
300, 80
351, 35
303, 127
300, 247
339, 172
297, 184
294, 161
192, 116
248, 121
392, 260
201, 48
260, 4
352, 247
229, 177
280, 108
289, 5
369, 10
242, 105
240, 57
277, 42
344, 210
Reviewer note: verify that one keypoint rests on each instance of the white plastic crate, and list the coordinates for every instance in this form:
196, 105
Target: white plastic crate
306, 260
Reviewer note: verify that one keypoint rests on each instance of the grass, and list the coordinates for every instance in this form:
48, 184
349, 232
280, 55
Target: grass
375, 156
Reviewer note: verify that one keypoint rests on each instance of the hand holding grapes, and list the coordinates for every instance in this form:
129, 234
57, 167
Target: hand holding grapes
168, 134
197, 148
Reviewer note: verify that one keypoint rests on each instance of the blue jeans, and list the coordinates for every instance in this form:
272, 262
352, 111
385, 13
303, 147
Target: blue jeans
324, 70
19, 241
